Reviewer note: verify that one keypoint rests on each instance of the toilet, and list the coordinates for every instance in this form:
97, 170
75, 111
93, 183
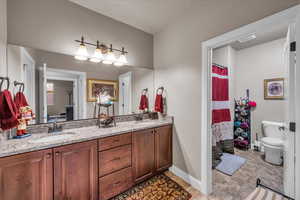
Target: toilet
272, 141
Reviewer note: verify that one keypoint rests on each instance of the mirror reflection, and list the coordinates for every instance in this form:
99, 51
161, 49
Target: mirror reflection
61, 88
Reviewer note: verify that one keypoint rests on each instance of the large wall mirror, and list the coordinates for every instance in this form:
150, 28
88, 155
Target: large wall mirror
61, 88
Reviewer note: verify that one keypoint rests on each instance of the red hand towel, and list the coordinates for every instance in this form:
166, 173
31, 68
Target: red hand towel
159, 106
144, 102
20, 100
8, 111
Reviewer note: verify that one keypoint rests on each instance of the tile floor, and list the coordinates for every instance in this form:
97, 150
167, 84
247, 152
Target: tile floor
243, 182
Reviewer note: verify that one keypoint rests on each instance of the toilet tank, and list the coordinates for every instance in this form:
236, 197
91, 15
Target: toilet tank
271, 129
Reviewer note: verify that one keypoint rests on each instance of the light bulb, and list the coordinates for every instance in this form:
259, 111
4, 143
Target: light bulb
97, 57
82, 53
110, 58
121, 61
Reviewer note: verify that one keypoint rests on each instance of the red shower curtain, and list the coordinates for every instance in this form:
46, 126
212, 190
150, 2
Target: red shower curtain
222, 127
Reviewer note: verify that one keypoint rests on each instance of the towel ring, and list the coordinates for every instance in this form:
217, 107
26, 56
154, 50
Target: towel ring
22, 86
7, 81
160, 88
145, 90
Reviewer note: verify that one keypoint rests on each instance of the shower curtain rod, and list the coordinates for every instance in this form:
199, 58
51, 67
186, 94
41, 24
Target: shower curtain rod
219, 65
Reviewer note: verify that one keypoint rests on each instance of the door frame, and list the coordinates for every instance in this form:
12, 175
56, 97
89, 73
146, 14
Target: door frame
285, 17
25, 56
79, 90
121, 76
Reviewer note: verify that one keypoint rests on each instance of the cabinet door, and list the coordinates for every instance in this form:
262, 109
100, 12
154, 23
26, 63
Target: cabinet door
163, 148
143, 154
75, 172
27, 176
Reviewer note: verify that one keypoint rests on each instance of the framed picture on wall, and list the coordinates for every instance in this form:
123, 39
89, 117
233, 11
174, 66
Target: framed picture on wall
94, 86
274, 88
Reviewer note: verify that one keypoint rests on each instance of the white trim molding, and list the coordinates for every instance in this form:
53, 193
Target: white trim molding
284, 18
187, 177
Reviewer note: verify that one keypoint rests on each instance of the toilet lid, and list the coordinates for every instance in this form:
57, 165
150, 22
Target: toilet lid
272, 141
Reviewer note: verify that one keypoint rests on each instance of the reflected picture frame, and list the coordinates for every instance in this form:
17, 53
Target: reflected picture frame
94, 85
274, 89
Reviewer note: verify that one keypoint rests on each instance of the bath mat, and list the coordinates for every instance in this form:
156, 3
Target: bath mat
157, 188
230, 163
263, 194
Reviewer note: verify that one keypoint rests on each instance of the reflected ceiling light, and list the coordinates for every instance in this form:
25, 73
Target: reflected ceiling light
247, 38
98, 56
110, 57
82, 53
122, 59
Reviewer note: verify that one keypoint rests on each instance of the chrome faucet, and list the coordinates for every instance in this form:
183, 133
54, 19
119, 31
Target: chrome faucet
55, 128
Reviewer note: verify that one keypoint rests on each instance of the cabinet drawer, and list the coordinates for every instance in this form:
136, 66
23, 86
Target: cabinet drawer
114, 159
114, 184
114, 141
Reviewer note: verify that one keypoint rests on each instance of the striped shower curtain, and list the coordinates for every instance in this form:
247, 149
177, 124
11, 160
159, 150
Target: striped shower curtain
222, 126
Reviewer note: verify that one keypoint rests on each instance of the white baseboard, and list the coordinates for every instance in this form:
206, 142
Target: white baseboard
187, 177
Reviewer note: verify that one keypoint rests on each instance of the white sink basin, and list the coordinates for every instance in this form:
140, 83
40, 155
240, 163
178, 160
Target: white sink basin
52, 138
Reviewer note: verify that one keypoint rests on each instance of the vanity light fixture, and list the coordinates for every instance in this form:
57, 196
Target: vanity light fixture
82, 53
102, 53
98, 56
110, 57
122, 60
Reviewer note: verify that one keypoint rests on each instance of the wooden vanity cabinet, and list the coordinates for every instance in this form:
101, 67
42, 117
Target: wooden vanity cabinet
163, 148
90, 170
76, 171
27, 176
152, 152
143, 154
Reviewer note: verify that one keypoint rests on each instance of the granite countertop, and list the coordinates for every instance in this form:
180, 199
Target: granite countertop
17, 146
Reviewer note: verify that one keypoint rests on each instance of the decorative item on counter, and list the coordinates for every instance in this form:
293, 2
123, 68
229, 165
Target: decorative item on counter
159, 100
8, 109
104, 101
153, 115
105, 120
144, 103
25, 112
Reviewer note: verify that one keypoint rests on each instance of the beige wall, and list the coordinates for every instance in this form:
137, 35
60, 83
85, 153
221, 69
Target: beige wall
254, 64
177, 62
3, 37
15, 70
61, 98
53, 25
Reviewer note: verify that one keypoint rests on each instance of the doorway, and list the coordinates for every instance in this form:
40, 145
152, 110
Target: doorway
75, 95
289, 18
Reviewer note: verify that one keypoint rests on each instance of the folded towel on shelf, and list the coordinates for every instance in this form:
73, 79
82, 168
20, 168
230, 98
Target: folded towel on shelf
8, 111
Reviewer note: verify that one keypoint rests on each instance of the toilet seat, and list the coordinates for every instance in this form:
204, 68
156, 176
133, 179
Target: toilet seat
272, 142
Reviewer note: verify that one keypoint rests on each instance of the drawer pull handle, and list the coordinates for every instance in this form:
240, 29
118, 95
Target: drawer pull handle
117, 183
116, 140
116, 159
49, 155
57, 153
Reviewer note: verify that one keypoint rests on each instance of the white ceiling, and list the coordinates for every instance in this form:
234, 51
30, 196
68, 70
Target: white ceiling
148, 15
263, 37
